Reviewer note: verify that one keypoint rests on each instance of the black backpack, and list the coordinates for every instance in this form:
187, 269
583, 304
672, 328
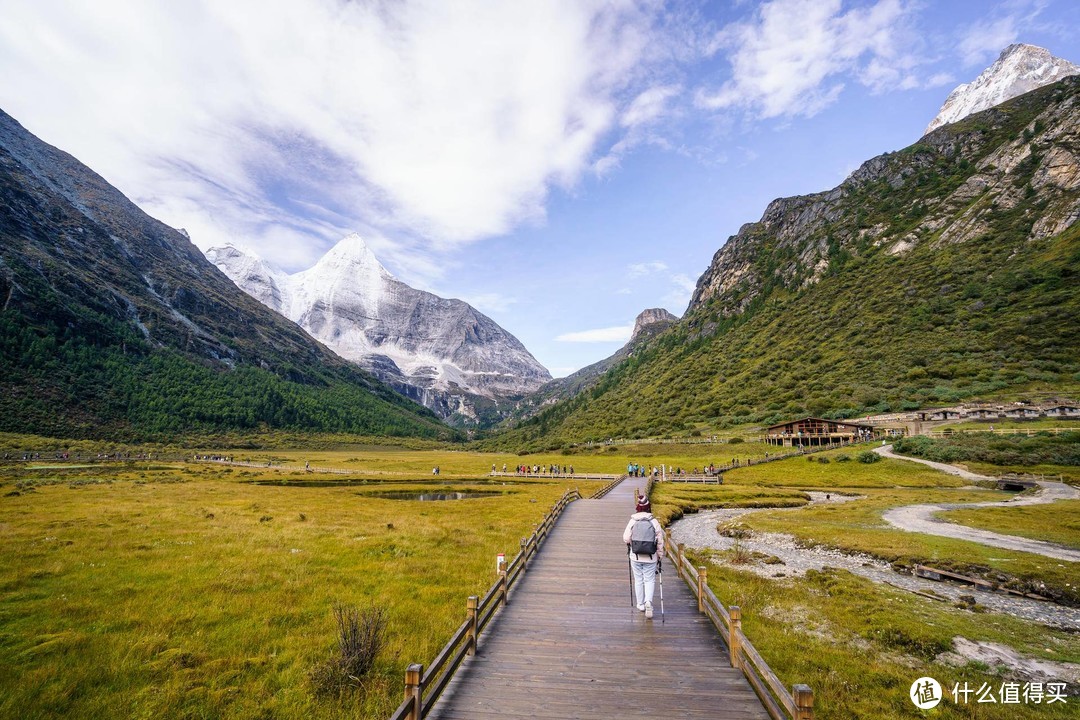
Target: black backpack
643, 538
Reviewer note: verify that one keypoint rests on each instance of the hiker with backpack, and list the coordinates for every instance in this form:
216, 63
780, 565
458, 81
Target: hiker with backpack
644, 540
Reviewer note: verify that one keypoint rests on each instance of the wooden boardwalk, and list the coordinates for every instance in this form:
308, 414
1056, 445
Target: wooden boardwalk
571, 645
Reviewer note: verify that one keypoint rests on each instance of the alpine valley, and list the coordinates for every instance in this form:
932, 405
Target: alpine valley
114, 325
442, 353
941, 272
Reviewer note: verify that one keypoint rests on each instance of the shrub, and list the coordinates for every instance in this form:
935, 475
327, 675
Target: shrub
868, 457
735, 440
823, 460
843, 458
360, 639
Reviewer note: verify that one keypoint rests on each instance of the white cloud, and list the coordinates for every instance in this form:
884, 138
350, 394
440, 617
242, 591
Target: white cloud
445, 121
620, 334
490, 302
793, 56
684, 287
646, 268
649, 105
939, 79
984, 40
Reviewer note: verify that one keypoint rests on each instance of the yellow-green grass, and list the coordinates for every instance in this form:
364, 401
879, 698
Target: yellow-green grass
671, 500
1057, 522
809, 472
185, 592
858, 525
1034, 425
1065, 473
403, 463
860, 645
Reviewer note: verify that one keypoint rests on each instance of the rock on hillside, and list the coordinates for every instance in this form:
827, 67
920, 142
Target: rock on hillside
648, 324
1020, 68
990, 167
442, 353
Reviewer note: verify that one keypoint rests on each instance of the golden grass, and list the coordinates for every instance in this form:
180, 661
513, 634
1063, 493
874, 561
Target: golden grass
185, 591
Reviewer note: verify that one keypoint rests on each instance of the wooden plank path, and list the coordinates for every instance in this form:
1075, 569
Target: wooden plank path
571, 645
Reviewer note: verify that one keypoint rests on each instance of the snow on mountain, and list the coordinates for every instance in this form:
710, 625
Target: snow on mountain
1019, 69
435, 350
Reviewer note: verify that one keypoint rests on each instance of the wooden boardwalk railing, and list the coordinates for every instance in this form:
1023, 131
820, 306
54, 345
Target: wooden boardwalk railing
570, 644
424, 687
780, 703
797, 704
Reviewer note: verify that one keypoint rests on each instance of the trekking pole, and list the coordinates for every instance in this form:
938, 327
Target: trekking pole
630, 569
660, 572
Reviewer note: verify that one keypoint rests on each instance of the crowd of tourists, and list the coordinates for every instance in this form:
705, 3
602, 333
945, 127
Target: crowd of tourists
541, 469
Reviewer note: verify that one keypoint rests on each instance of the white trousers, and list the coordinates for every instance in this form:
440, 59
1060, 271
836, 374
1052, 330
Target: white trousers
644, 580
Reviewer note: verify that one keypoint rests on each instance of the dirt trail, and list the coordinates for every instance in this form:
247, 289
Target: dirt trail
920, 518
699, 531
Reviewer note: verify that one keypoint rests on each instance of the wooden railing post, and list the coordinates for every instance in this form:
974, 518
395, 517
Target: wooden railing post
804, 702
734, 631
680, 557
524, 554
470, 639
413, 689
502, 581
702, 583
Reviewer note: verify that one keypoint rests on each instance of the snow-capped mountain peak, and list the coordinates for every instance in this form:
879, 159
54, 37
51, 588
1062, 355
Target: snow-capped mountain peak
1019, 69
251, 274
352, 254
437, 351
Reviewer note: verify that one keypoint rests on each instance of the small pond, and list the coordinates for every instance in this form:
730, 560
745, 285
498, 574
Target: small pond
432, 496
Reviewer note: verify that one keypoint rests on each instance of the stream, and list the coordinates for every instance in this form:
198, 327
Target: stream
699, 531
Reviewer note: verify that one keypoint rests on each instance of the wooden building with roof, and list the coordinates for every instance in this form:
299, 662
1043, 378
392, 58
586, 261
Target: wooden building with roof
812, 432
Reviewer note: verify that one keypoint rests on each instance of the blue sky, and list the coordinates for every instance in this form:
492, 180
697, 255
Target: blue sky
560, 165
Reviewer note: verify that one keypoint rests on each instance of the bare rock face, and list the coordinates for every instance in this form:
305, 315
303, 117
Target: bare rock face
443, 353
652, 320
959, 183
1020, 69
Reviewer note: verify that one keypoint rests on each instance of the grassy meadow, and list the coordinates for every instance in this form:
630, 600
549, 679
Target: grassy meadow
859, 644
159, 588
183, 590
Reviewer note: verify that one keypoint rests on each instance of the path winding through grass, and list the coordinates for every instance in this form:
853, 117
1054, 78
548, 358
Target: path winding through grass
921, 518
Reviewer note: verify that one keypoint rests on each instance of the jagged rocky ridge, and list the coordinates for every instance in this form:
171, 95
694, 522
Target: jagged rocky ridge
440, 352
930, 275
648, 324
990, 168
112, 323
1019, 69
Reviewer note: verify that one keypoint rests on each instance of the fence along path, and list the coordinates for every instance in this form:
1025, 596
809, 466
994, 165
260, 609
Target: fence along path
570, 645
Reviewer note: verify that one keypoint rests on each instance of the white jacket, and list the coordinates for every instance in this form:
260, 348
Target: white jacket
659, 536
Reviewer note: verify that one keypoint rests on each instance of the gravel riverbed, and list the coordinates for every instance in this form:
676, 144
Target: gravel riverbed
699, 531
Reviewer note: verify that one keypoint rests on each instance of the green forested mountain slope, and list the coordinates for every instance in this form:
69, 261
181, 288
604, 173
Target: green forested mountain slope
944, 271
114, 325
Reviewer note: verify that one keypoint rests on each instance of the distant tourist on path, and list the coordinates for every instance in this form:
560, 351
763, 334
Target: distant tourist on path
644, 565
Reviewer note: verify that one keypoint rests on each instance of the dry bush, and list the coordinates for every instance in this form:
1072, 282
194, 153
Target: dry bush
360, 636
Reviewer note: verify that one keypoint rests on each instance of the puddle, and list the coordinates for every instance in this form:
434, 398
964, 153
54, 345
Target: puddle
432, 496
306, 483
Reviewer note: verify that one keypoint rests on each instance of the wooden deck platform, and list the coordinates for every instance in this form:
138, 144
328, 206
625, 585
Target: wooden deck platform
571, 645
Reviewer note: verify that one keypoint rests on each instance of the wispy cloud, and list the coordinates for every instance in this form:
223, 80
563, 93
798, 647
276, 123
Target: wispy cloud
620, 334
793, 57
985, 39
288, 123
646, 268
490, 302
